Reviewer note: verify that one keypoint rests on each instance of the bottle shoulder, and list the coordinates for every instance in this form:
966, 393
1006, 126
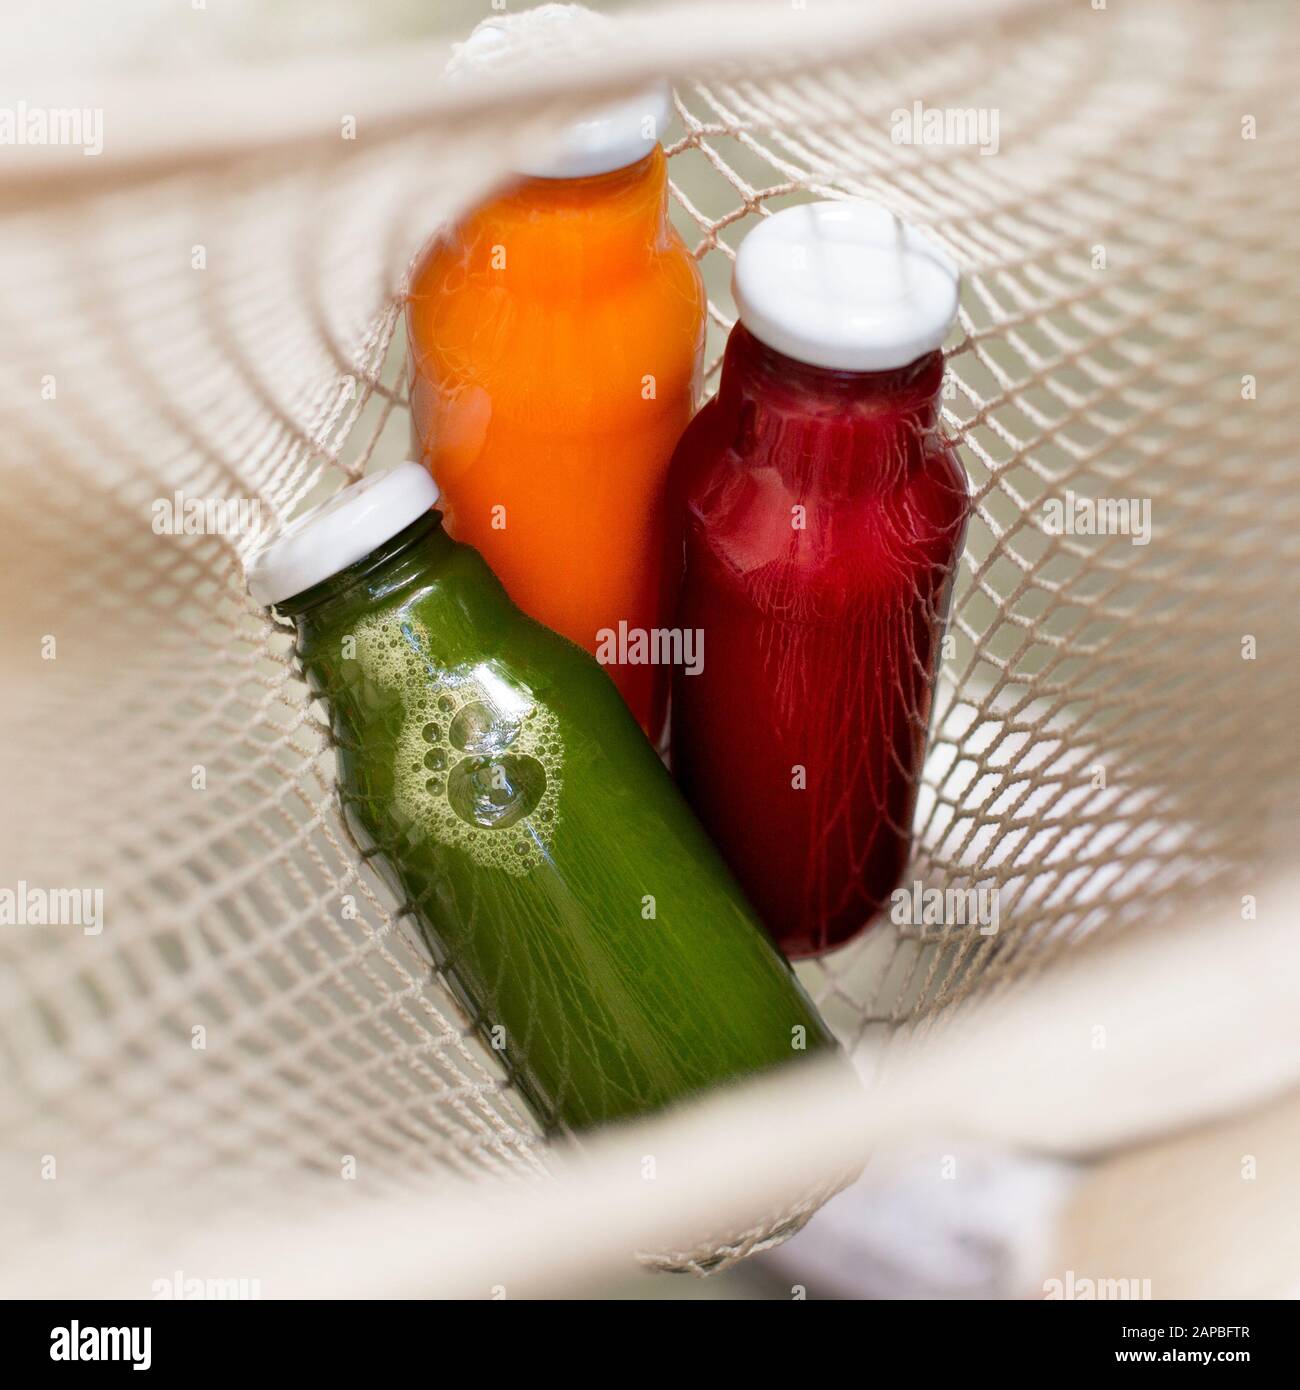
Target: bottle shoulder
532, 264
592, 350
766, 534
719, 466
457, 618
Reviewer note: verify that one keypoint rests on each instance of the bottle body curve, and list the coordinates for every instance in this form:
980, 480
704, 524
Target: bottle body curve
492, 774
555, 341
824, 518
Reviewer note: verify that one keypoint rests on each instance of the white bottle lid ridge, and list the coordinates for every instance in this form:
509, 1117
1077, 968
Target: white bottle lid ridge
340, 531
611, 137
845, 285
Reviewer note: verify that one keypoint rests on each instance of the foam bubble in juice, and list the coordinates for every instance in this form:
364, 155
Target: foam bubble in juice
490, 772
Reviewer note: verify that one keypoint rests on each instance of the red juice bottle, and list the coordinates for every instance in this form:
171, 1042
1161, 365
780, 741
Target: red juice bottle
824, 513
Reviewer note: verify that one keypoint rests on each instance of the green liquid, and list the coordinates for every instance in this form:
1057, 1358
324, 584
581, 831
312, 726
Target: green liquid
492, 773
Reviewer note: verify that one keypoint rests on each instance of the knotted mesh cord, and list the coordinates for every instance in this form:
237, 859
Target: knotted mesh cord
270, 374
1080, 658
239, 907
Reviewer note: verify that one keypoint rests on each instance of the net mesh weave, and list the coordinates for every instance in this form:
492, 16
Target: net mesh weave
1113, 730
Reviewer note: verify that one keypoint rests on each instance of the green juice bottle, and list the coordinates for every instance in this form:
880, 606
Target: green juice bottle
490, 771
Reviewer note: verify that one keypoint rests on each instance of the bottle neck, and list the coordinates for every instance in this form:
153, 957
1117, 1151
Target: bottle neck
401, 562
836, 430
557, 235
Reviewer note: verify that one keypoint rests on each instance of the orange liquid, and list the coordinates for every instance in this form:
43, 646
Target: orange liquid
556, 337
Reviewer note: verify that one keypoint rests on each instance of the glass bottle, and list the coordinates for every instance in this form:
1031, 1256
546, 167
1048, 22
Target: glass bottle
490, 772
555, 337
824, 516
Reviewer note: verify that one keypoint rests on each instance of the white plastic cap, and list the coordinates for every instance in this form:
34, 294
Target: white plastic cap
844, 285
610, 138
341, 531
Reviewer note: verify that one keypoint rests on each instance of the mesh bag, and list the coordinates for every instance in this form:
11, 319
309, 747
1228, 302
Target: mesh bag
212, 308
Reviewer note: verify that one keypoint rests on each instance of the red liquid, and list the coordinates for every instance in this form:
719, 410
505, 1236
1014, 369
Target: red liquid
820, 641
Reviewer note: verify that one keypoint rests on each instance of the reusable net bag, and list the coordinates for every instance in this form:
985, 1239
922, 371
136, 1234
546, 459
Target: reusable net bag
212, 309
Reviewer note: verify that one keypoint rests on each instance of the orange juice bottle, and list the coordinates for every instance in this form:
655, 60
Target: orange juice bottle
556, 335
